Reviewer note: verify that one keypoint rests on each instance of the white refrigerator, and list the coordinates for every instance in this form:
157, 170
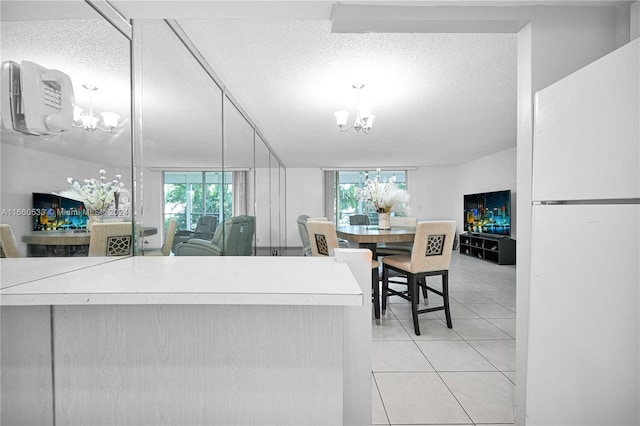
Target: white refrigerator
584, 326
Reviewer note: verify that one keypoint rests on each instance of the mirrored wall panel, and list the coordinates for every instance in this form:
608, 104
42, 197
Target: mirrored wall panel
263, 198
203, 171
66, 136
180, 139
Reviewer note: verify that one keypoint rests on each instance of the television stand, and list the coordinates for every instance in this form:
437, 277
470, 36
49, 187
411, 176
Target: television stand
492, 248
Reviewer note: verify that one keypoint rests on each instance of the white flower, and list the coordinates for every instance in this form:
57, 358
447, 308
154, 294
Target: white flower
383, 195
96, 194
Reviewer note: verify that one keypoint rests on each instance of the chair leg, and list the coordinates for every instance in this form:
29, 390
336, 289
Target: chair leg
413, 292
425, 292
445, 296
375, 288
385, 288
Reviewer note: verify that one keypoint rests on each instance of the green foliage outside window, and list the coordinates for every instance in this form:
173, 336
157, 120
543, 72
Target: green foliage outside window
176, 201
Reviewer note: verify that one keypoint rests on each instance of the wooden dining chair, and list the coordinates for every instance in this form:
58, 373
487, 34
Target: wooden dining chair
111, 239
323, 239
8, 246
430, 256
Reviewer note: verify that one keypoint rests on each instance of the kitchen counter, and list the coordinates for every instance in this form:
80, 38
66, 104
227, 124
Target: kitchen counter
187, 340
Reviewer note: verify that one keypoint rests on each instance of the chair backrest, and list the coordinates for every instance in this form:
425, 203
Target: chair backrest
432, 246
238, 233
239, 242
8, 246
304, 235
111, 239
359, 219
403, 221
206, 224
168, 237
323, 238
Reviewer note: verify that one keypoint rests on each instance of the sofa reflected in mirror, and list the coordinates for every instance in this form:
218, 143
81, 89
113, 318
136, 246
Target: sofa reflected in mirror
234, 238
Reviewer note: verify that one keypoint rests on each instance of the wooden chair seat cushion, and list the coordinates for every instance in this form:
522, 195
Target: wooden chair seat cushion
399, 261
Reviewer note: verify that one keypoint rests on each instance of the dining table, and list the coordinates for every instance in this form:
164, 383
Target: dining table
64, 242
369, 236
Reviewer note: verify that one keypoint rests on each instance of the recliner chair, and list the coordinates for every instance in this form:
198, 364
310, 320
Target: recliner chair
237, 232
205, 230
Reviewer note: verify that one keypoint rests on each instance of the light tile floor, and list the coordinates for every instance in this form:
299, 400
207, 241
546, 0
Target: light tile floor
463, 375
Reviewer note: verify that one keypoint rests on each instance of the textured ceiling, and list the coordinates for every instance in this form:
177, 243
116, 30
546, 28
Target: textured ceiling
439, 99
90, 52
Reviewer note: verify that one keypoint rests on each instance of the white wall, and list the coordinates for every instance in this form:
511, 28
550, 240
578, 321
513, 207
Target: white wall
304, 196
152, 207
433, 192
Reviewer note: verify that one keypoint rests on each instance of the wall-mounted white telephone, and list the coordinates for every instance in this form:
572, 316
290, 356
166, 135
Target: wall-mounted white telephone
36, 100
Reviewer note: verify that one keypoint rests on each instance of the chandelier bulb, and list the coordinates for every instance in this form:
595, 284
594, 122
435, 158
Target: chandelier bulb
364, 118
90, 122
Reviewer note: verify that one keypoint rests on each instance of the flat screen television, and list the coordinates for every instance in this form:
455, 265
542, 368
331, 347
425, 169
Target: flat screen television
53, 212
488, 213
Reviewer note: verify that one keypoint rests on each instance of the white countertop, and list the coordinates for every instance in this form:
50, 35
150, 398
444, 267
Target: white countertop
185, 280
14, 271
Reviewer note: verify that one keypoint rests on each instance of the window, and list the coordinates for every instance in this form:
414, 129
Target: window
190, 195
346, 201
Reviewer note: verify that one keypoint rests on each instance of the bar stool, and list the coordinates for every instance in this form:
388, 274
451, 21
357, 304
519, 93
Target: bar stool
430, 256
323, 239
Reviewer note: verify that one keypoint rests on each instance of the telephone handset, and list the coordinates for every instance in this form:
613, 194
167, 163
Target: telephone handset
41, 100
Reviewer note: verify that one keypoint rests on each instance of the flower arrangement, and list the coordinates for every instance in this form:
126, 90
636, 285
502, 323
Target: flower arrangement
96, 194
383, 195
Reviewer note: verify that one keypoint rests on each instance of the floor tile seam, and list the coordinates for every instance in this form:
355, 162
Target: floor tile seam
381, 399
413, 371
459, 371
413, 337
495, 303
487, 359
504, 331
448, 424
508, 378
423, 354
492, 325
410, 321
404, 372
506, 307
487, 294
455, 397
489, 318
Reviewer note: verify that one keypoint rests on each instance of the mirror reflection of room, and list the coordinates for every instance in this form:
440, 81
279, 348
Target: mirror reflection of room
66, 136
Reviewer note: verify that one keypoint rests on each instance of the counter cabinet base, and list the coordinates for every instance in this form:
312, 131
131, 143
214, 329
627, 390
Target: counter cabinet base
175, 364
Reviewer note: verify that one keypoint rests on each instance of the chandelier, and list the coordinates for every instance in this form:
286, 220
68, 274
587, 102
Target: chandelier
89, 121
364, 118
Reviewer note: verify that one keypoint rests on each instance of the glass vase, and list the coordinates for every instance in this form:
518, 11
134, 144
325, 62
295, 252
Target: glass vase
384, 221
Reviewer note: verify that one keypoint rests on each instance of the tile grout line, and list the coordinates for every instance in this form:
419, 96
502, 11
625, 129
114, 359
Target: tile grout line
381, 400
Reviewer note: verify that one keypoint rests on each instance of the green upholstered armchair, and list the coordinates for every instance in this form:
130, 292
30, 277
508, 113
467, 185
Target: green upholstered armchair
205, 228
235, 238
